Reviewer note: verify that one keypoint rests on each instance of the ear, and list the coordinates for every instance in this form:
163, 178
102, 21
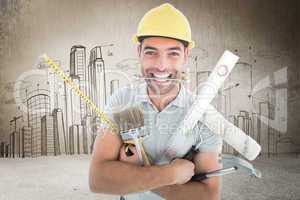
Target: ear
139, 49
186, 55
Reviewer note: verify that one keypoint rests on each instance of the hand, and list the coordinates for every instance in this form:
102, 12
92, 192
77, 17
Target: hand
134, 159
181, 171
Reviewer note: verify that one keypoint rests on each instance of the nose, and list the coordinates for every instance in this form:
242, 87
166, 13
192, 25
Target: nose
162, 62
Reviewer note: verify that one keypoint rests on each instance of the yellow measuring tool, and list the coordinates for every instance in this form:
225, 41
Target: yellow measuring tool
80, 93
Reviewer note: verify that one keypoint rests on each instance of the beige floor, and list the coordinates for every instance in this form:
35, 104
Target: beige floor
46, 178
65, 178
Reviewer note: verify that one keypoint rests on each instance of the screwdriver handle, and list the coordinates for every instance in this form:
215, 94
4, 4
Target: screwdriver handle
199, 177
190, 154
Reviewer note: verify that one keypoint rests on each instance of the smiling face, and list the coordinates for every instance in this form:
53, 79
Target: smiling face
162, 58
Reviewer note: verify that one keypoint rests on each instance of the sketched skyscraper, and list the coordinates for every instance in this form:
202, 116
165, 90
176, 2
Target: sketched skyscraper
58, 105
97, 77
97, 88
78, 109
78, 72
38, 105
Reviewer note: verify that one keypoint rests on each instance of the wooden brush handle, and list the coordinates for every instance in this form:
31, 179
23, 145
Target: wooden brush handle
144, 154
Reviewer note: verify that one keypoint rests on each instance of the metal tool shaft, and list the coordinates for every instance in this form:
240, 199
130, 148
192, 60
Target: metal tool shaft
220, 172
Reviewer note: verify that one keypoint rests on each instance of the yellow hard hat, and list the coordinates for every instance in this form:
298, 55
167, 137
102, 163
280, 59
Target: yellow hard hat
165, 21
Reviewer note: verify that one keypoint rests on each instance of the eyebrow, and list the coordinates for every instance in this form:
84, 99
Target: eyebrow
174, 48
149, 48
169, 49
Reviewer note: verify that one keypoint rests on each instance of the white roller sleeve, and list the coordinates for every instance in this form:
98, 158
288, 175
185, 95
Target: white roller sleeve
208, 91
231, 134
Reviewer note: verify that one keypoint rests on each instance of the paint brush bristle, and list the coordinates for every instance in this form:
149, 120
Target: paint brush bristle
130, 118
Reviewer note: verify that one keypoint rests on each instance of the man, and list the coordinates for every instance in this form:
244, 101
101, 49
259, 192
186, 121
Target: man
164, 42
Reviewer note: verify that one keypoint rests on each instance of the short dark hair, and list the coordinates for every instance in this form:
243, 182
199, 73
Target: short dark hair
141, 38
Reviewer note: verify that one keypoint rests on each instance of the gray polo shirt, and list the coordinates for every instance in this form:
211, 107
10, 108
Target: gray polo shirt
162, 127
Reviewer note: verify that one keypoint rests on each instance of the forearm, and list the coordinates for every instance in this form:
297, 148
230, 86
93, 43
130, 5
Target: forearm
116, 177
191, 190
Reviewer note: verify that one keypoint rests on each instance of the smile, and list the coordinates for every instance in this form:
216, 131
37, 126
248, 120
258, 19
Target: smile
161, 76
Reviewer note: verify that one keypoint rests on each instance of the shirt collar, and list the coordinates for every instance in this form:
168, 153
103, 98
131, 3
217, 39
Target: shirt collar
180, 100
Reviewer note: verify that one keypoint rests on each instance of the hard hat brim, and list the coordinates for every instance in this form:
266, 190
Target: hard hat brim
135, 39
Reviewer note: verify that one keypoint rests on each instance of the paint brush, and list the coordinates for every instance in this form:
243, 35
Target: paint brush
131, 126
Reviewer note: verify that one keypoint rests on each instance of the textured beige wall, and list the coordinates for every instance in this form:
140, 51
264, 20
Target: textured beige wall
294, 89
262, 32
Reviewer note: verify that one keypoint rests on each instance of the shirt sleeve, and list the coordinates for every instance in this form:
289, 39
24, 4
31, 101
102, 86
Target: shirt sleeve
117, 102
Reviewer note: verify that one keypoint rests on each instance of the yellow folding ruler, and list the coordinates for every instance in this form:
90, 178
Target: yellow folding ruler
90, 104
80, 93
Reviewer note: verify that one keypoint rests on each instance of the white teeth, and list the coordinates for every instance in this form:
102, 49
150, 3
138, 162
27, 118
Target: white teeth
161, 80
161, 75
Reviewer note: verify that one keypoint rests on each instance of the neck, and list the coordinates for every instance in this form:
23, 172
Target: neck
161, 101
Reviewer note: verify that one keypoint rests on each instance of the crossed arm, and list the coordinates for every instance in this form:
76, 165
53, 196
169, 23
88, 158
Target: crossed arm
110, 175
209, 189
